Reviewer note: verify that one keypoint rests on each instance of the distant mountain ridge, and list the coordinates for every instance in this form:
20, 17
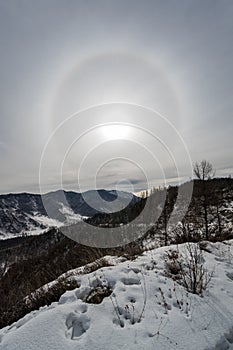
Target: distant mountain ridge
24, 213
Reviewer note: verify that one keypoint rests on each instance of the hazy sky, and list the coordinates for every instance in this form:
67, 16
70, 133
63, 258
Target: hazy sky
126, 62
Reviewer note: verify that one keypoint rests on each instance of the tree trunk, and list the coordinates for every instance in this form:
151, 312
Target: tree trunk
219, 221
206, 220
205, 206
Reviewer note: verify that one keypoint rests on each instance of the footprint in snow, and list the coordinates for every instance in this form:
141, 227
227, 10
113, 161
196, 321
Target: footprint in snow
77, 324
82, 308
230, 275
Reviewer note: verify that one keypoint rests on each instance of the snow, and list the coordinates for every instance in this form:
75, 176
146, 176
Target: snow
146, 310
71, 217
46, 221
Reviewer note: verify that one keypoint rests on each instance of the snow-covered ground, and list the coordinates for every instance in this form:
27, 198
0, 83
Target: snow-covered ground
32, 228
45, 220
146, 309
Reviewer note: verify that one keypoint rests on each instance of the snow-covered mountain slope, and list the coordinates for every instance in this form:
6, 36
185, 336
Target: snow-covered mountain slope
140, 307
25, 213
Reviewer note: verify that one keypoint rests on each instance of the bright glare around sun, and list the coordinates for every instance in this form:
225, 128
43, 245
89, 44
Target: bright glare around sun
116, 132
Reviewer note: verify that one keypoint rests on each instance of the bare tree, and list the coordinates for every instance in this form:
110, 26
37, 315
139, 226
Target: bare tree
204, 171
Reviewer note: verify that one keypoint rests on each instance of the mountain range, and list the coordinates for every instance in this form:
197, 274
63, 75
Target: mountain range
26, 213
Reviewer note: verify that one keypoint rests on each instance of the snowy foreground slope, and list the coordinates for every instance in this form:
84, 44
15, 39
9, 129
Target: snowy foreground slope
146, 310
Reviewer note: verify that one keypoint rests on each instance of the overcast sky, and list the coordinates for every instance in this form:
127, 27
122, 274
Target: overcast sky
162, 70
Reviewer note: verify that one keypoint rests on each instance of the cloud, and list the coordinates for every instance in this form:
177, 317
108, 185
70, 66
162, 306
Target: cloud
60, 57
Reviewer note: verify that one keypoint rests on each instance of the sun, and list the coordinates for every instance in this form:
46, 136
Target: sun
116, 131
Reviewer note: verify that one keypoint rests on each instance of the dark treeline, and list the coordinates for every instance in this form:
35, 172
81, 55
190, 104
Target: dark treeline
209, 215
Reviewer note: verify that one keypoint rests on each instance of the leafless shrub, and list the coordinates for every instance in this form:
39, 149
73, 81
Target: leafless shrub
130, 311
172, 262
188, 269
164, 302
144, 297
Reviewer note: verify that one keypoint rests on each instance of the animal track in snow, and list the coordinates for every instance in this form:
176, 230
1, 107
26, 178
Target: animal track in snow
76, 323
230, 275
130, 279
82, 308
225, 343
